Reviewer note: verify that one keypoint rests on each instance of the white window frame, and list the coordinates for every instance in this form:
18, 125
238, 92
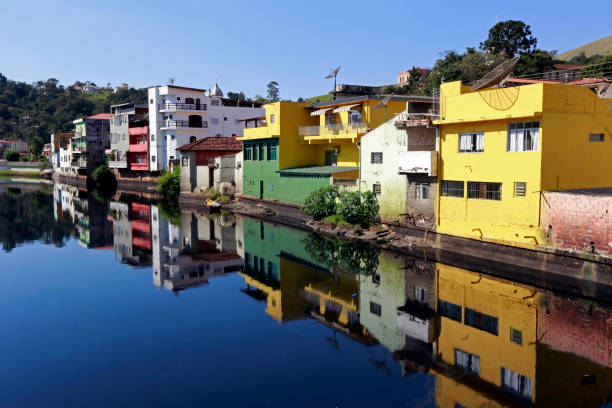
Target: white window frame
523, 137
472, 142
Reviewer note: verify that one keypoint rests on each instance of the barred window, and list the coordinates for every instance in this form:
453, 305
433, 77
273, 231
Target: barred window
452, 188
376, 157
481, 321
516, 336
516, 383
450, 310
469, 362
484, 191
247, 152
596, 137
375, 308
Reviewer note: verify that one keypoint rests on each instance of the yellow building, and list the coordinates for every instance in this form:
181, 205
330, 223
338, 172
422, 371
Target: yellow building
500, 148
299, 147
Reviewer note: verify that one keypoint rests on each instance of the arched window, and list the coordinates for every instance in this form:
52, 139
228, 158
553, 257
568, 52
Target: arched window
192, 139
195, 121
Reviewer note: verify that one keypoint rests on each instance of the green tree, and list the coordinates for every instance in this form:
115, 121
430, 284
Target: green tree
358, 208
510, 37
321, 203
11, 155
169, 184
236, 96
36, 145
273, 91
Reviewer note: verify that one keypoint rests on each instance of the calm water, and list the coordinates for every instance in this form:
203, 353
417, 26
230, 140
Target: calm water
128, 303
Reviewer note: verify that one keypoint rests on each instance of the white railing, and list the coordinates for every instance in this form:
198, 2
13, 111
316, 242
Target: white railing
332, 130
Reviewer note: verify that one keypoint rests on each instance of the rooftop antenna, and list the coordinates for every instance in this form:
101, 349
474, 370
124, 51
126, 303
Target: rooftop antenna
334, 74
384, 102
171, 80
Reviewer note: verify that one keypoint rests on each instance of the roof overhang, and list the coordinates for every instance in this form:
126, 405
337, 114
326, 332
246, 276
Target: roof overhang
319, 112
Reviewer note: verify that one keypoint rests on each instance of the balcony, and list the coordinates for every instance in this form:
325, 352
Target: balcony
117, 164
418, 162
79, 148
139, 147
318, 134
174, 107
79, 164
181, 124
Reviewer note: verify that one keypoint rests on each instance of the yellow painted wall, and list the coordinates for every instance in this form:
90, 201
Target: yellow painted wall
565, 158
348, 155
511, 303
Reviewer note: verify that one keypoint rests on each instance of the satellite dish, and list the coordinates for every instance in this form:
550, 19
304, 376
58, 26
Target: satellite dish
334, 73
384, 102
603, 90
496, 75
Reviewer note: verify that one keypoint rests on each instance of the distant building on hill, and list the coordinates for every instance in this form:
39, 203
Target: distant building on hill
404, 76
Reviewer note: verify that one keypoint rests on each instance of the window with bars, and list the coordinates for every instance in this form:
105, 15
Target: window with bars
516, 336
469, 362
272, 151
422, 191
376, 157
375, 308
484, 191
248, 152
452, 188
420, 294
516, 383
262, 147
255, 154
376, 189
481, 321
450, 310
520, 188
596, 137
471, 142
523, 137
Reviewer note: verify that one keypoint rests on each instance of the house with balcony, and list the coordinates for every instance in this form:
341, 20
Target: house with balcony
55, 148
298, 147
90, 142
399, 164
129, 136
180, 115
500, 148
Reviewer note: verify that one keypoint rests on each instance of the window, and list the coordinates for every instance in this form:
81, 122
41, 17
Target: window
376, 157
519, 189
469, 362
376, 188
225, 118
523, 137
516, 336
272, 151
185, 161
484, 191
481, 321
471, 142
420, 294
271, 186
151, 101
516, 383
247, 152
214, 102
153, 159
354, 118
262, 147
596, 137
152, 137
375, 308
256, 263
452, 188
272, 118
255, 152
214, 121
421, 191
450, 310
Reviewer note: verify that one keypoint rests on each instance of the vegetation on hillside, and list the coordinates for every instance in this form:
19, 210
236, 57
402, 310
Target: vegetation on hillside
45, 107
603, 46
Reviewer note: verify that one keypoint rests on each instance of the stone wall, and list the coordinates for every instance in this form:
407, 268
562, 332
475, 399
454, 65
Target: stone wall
572, 220
421, 211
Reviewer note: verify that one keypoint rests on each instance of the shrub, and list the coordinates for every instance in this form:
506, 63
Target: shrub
321, 203
11, 155
336, 220
169, 184
358, 208
25, 158
102, 182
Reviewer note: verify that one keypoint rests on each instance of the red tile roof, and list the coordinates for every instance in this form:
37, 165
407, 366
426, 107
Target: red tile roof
589, 81
530, 81
213, 143
100, 116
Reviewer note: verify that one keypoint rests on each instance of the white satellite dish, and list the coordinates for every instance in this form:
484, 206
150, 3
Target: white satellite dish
497, 74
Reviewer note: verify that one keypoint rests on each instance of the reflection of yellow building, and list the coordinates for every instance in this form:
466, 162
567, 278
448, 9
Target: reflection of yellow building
488, 329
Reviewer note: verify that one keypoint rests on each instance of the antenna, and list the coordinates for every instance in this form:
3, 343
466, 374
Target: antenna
171, 80
384, 102
334, 74
497, 75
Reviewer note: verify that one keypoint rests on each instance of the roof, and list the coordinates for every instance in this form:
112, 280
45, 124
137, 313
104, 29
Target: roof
316, 170
216, 91
606, 191
589, 81
213, 143
567, 66
100, 116
250, 119
404, 98
179, 87
529, 81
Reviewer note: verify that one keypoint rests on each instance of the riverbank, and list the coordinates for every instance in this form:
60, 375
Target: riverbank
589, 276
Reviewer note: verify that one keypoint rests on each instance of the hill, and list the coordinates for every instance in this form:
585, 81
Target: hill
320, 98
602, 47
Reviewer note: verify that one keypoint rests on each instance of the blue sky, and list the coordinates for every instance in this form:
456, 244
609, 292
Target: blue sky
245, 44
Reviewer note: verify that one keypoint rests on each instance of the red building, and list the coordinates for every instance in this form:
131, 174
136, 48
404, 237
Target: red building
141, 226
139, 148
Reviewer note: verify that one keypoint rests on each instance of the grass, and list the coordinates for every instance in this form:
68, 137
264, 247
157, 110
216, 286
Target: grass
602, 46
25, 174
336, 220
320, 98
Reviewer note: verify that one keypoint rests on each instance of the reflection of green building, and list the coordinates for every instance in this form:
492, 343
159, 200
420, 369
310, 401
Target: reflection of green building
279, 270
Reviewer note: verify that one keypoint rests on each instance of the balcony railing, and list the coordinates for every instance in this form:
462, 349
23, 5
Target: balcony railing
182, 106
176, 123
333, 130
117, 164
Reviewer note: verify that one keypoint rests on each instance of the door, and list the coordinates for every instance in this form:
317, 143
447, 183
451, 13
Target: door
260, 188
331, 158
211, 176
197, 103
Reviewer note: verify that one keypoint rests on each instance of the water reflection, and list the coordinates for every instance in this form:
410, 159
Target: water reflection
485, 341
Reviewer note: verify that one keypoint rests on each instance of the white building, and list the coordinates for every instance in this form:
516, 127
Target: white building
180, 115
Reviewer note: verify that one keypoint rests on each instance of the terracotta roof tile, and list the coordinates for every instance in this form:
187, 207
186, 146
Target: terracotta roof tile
213, 143
589, 81
100, 116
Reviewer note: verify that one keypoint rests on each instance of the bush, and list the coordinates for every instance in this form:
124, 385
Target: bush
25, 158
11, 155
169, 184
358, 208
322, 202
336, 220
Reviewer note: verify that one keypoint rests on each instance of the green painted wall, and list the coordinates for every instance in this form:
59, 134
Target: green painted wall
292, 189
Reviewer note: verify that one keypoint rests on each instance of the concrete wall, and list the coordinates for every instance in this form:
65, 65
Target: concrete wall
572, 220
